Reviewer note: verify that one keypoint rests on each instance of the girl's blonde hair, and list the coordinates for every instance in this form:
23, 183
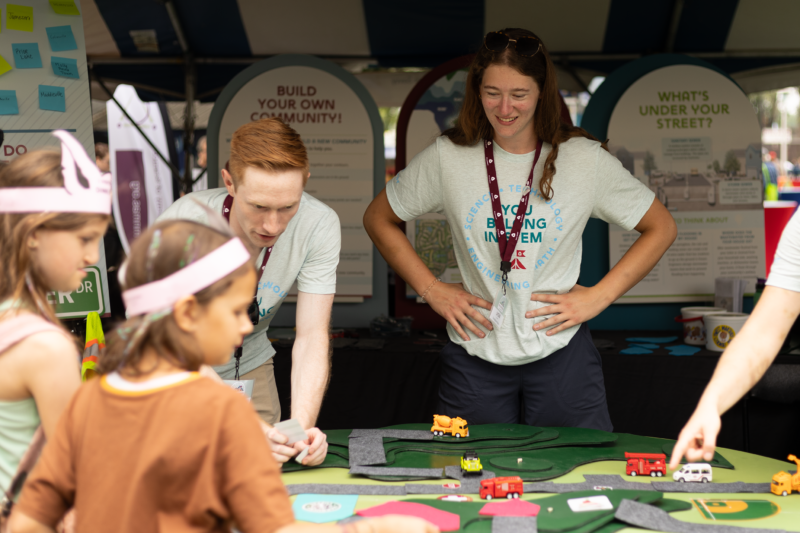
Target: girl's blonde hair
161, 250
19, 279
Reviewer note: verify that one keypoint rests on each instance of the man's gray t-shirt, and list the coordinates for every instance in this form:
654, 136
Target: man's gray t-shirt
307, 252
451, 180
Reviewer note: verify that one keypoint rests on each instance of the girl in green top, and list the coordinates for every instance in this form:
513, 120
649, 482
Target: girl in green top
43, 250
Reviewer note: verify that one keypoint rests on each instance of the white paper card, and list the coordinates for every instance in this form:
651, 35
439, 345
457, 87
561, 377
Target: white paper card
292, 430
591, 503
245, 386
497, 314
302, 455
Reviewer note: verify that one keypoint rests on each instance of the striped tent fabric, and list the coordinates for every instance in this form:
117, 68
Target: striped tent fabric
754, 41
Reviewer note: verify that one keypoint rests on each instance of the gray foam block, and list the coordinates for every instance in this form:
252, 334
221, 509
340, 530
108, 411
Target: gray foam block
432, 473
406, 434
514, 524
649, 517
615, 482
454, 472
366, 451
732, 488
324, 488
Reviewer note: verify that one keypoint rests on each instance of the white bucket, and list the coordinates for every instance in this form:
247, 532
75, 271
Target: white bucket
722, 328
694, 328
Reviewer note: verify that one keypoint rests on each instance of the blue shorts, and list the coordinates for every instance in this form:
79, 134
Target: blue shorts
565, 389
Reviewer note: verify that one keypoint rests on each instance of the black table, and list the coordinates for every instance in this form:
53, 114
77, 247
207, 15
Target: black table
652, 394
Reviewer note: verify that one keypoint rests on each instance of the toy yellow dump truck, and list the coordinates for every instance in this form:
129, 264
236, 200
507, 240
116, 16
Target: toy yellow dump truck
443, 425
783, 483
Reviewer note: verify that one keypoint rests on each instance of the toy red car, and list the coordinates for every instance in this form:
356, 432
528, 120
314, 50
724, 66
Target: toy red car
499, 487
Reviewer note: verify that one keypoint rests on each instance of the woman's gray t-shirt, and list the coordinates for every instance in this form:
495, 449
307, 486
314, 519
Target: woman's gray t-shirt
451, 180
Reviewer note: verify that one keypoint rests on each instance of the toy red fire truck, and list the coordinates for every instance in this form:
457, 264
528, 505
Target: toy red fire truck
645, 464
500, 487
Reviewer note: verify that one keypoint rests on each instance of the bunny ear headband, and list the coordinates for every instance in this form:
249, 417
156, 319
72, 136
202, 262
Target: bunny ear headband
73, 197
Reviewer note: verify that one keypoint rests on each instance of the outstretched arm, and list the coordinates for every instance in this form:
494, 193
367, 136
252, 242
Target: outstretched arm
744, 362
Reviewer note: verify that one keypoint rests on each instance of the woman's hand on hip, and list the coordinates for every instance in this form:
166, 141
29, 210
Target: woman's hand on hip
575, 307
455, 304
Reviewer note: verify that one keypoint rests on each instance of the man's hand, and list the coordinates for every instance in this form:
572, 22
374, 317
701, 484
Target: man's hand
455, 304
699, 437
277, 442
317, 444
577, 306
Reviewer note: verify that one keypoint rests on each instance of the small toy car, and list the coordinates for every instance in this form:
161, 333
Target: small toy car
470, 463
693, 472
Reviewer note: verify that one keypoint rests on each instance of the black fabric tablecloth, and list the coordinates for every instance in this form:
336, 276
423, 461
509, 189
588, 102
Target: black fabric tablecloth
651, 394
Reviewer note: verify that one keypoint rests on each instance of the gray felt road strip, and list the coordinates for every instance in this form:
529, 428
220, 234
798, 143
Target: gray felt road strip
406, 434
454, 472
732, 488
649, 517
366, 451
324, 488
514, 524
592, 481
432, 473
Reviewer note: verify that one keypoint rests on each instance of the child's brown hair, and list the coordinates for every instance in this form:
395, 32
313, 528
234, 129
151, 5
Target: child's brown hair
163, 249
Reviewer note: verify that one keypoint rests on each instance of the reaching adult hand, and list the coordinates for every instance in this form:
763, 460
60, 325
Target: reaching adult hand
455, 304
317, 444
575, 307
277, 442
698, 438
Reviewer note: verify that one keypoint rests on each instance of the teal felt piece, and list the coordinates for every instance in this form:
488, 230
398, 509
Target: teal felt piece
635, 350
656, 340
682, 349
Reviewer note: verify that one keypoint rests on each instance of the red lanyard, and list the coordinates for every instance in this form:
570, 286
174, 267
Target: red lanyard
226, 212
507, 243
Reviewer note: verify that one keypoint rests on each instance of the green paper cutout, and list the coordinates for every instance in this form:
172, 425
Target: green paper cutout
528, 464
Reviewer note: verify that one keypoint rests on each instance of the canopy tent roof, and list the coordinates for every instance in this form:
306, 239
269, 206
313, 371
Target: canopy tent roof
146, 43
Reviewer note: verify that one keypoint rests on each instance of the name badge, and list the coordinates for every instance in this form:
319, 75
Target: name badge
497, 314
245, 386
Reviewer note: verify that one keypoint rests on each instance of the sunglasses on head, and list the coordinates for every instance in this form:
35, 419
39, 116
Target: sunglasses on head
497, 41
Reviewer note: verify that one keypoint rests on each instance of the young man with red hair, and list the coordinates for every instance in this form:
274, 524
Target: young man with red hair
295, 239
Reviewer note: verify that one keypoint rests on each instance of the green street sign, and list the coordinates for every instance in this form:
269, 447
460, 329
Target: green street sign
87, 298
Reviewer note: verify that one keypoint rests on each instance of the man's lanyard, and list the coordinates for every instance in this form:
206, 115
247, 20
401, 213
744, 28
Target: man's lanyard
226, 212
507, 243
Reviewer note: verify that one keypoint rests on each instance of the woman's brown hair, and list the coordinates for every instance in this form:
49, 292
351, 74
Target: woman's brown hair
472, 124
19, 279
163, 249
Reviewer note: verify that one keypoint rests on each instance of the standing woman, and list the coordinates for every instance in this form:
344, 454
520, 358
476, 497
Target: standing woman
518, 187
50, 230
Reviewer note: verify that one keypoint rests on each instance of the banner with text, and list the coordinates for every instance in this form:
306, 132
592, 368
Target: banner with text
142, 181
690, 134
338, 134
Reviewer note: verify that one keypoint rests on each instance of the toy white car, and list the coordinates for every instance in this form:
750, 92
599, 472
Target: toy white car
693, 472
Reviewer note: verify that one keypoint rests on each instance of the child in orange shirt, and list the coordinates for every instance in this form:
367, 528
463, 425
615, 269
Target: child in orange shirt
152, 445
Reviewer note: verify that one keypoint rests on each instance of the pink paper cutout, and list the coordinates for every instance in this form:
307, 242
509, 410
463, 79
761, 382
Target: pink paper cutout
510, 508
442, 519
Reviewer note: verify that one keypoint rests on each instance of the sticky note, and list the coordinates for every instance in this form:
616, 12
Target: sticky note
4, 66
61, 38
64, 7
8, 103
19, 17
65, 67
52, 98
26, 55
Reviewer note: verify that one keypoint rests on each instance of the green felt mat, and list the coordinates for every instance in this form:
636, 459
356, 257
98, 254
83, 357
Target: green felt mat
544, 456
562, 519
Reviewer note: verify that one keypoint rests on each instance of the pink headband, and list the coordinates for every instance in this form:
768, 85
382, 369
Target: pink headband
72, 197
162, 294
